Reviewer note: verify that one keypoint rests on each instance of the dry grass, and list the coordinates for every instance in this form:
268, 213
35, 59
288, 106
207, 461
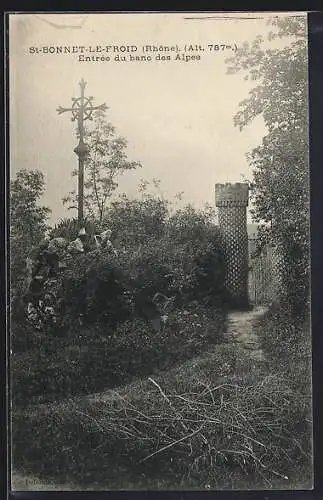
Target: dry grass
198, 426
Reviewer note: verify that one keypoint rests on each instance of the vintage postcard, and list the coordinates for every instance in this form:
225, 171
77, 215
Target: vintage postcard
160, 333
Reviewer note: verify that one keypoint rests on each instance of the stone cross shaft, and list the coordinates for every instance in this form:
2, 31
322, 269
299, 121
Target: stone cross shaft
82, 109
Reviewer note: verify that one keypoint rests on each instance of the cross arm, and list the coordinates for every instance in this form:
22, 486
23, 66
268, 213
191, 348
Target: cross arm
103, 107
61, 110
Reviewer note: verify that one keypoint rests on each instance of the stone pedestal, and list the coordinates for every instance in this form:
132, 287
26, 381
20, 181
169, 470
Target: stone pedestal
232, 201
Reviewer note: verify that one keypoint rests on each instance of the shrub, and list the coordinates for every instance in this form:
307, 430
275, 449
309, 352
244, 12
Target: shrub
28, 223
134, 221
286, 343
99, 338
96, 358
69, 228
176, 255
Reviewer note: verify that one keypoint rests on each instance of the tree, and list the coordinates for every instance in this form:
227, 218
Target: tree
27, 222
107, 159
280, 191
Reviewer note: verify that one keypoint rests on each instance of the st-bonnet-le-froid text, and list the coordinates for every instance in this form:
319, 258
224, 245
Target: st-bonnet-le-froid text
106, 53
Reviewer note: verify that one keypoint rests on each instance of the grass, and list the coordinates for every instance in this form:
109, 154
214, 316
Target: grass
219, 421
94, 359
287, 344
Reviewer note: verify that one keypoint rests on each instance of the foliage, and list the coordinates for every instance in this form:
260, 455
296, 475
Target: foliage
172, 253
287, 346
177, 255
69, 228
100, 357
106, 160
280, 164
110, 299
133, 221
28, 224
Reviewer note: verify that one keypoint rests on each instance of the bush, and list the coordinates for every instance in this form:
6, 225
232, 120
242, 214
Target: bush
177, 255
98, 358
69, 228
28, 223
134, 221
102, 334
286, 343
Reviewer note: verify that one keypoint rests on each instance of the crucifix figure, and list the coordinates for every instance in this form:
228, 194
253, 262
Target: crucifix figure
81, 109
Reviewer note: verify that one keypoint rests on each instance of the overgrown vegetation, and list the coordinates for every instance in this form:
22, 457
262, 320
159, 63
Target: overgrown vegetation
219, 421
287, 344
280, 164
98, 358
174, 256
28, 223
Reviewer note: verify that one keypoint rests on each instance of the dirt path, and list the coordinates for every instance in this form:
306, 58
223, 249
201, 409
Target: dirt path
241, 330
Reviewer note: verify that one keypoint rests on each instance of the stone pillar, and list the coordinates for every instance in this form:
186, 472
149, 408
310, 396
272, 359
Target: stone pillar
232, 202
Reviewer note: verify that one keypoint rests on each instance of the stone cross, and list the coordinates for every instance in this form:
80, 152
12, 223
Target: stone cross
81, 109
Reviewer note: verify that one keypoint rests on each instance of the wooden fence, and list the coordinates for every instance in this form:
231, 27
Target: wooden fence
263, 279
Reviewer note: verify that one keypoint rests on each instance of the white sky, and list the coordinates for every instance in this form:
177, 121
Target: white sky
176, 116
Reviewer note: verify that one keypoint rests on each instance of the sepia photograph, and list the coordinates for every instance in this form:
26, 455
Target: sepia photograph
159, 221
